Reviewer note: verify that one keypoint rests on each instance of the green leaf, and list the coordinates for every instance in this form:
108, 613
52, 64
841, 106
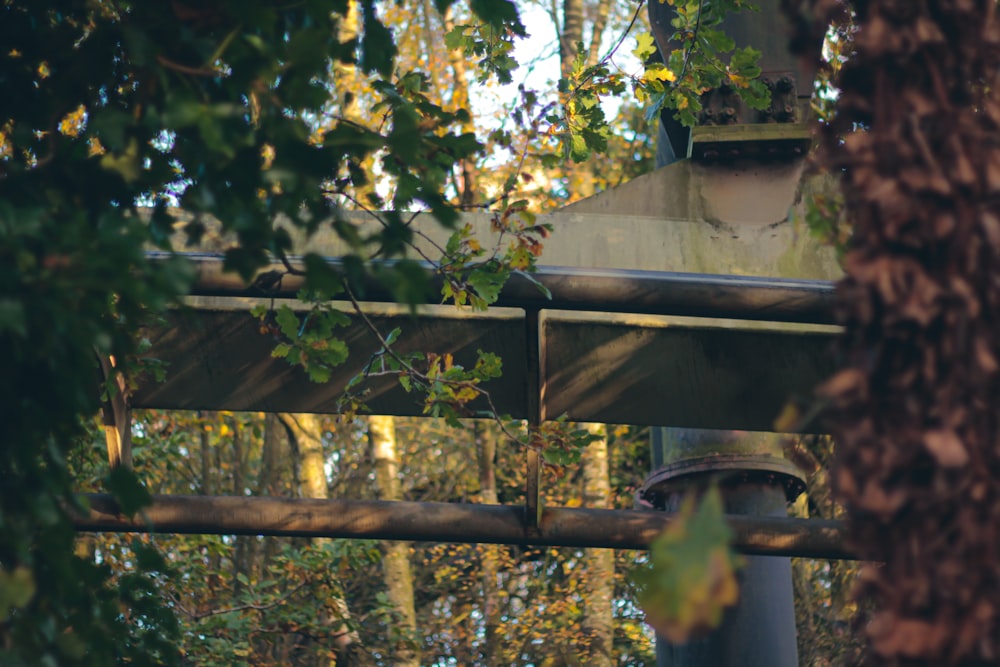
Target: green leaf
288, 322
456, 38
487, 281
744, 61
321, 278
645, 46
17, 588
378, 49
531, 279
128, 490
498, 13
318, 374
718, 40
12, 317
691, 577
578, 150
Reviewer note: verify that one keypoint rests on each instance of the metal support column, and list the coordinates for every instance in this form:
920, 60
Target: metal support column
755, 481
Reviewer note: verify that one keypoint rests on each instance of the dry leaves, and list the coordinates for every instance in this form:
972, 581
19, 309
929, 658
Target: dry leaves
916, 410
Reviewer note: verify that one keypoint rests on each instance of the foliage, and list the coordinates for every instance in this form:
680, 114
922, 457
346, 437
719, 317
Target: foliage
115, 112
269, 601
823, 604
110, 107
697, 64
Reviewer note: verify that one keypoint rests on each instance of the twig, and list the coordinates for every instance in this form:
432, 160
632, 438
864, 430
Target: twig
694, 41
185, 69
198, 615
422, 377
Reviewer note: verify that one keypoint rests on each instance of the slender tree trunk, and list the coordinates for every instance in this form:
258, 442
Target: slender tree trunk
207, 488
571, 36
240, 545
492, 649
307, 432
599, 564
460, 100
345, 76
396, 555
601, 12
210, 463
269, 481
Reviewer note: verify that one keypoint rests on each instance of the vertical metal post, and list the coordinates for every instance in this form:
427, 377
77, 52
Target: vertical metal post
535, 395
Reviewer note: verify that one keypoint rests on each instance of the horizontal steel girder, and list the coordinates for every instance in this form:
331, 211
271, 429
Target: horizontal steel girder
449, 522
617, 369
579, 289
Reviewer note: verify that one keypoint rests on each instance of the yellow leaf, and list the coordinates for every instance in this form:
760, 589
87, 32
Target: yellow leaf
73, 123
95, 147
788, 419
739, 81
126, 163
659, 72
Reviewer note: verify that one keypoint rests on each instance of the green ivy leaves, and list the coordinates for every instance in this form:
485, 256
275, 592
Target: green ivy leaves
705, 58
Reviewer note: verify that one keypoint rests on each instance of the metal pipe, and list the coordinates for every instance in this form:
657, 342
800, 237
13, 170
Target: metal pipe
446, 522
604, 290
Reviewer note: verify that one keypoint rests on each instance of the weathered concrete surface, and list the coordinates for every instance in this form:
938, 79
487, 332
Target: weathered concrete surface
741, 220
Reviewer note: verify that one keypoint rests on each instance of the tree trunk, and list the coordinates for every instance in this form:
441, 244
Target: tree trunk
460, 100
599, 564
269, 481
486, 449
207, 488
396, 555
241, 544
345, 75
914, 409
572, 35
307, 432
600, 18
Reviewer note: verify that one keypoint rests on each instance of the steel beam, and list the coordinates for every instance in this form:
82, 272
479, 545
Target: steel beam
577, 289
448, 522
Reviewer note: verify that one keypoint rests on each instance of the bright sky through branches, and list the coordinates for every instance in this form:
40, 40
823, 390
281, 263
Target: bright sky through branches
538, 55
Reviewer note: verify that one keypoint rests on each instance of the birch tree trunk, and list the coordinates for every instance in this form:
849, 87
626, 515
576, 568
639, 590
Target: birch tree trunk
307, 432
345, 75
395, 555
486, 450
599, 564
460, 100
572, 35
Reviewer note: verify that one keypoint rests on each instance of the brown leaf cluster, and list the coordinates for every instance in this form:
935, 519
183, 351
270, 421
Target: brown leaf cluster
916, 408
